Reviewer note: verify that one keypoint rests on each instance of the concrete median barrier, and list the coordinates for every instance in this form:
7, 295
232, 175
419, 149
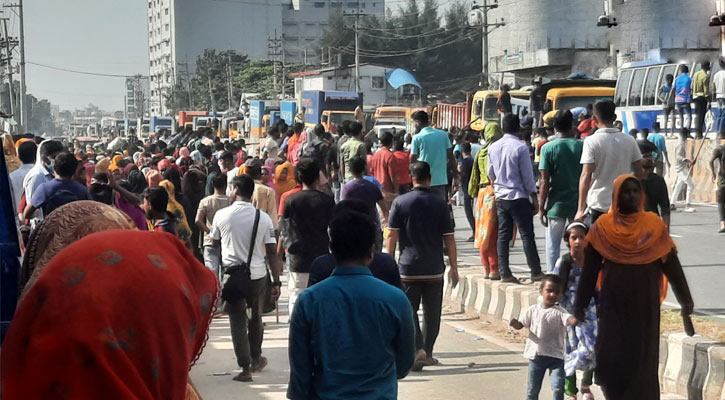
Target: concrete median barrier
469, 300
512, 305
483, 296
498, 299
714, 385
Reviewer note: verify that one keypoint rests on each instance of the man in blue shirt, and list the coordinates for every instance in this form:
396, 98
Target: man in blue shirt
351, 335
61, 190
433, 147
658, 140
683, 95
509, 167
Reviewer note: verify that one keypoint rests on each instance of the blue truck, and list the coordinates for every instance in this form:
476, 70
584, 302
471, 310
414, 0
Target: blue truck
330, 108
158, 123
288, 111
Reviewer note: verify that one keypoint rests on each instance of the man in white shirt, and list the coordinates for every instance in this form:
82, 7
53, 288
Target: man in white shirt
26, 153
42, 171
718, 83
232, 230
606, 155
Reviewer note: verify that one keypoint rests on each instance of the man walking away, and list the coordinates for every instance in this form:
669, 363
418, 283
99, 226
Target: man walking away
536, 103
363, 190
433, 147
420, 220
26, 153
683, 96
683, 164
205, 217
352, 147
718, 156
659, 141
657, 200
264, 196
43, 170
701, 96
465, 168
667, 98
606, 155
240, 229
510, 170
303, 228
718, 83
402, 164
366, 341
382, 167
61, 190
560, 171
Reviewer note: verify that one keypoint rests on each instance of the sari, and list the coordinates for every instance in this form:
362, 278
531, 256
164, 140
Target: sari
133, 211
127, 312
286, 185
177, 210
484, 212
62, 227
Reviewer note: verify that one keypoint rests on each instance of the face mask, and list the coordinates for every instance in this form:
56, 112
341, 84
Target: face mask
51, 166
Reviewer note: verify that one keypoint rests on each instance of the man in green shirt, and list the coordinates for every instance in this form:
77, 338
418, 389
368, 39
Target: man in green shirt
352, 148
701, 96
558, 192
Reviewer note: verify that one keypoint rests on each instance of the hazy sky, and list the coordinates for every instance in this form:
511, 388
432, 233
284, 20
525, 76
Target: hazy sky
108, 36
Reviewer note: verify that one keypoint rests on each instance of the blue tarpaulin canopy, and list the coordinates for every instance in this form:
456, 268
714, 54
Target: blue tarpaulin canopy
399, 77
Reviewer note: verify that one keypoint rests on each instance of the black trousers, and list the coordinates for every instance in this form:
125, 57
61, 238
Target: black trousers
431, 294
247, 335
721, 202
700, 110
468, 207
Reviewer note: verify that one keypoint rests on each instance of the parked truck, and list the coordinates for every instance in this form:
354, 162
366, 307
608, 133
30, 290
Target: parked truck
288, 111
158, 123
446, 116
329, 108
260, 114
186, 118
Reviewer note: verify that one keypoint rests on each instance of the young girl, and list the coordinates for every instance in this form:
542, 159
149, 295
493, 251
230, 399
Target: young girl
582, 337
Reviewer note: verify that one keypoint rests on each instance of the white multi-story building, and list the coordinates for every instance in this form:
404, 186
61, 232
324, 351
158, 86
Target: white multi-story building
180, 31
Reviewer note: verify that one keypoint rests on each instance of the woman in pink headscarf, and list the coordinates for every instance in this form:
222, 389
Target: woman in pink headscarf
268, 176
153, 177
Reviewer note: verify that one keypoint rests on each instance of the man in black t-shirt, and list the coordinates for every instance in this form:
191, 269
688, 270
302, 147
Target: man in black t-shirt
536, 103
421, 221
657, 198
303, 228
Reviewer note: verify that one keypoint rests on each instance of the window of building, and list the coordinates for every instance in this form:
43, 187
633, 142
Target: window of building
635, 88
151, 4
650, 86
151, 20
166, 27
352, 4
378, 82
319, 4
620, 95
336, 4
166, 11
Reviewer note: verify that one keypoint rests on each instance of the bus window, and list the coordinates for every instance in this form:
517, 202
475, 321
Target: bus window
650, 86
620, 96
635, 88
490, 109
666, 70
478, 107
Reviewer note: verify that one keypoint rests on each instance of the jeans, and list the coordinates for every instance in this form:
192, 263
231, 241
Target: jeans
213, 260
554, 233
336, 190
683, 178
721, 116
521, 212
700, 110
669, 117
468, 207
296, 283
537, 370
682, 109
431, 294
247, 335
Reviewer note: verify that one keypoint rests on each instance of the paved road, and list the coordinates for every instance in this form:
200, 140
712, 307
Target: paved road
701, 250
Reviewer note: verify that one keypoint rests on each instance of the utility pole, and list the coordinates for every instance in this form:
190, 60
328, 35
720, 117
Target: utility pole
356, 28
8, 57
274, 45
284, 77
608, 20
229, 82
211, 92
188, 83
305, 57
483, 10
23, 122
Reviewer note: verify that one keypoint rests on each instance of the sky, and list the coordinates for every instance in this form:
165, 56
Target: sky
106, 36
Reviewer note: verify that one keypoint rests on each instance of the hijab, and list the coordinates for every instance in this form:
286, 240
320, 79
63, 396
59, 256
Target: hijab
127, 312
287, 184
137, 182
62, 227
269, 179
479, 174
175, 208
103, 165
153, 177
127, 169
197, 157
132, 210
184, 152
631, 239
114, 162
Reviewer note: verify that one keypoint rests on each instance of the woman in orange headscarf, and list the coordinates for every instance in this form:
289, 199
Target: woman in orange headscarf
175, 208
116, 315
632, 256
284, 179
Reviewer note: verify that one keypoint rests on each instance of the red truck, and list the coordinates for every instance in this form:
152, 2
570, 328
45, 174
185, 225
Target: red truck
187, 117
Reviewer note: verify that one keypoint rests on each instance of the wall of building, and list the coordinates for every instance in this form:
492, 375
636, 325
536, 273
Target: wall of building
373, 84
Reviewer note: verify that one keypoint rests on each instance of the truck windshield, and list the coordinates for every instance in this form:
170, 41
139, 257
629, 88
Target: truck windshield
567, 103
490, 109
339, 118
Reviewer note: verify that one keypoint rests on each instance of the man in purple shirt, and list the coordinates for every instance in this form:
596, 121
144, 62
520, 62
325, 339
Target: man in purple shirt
509, 167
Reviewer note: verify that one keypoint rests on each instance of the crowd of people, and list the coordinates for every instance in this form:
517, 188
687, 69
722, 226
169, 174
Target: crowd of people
360, 228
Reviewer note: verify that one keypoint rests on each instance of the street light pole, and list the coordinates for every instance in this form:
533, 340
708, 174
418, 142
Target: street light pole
23, 109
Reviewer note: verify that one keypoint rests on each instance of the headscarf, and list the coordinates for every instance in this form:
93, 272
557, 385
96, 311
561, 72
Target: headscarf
114, 162
287, 184
197, 157
479, 174
184, 152
133, 211
164, 164
128, 313
11, 154
153, 177
638, 238
90, 170
177, 210
21, 141
137, 182
62, 227
127, 169
103, 165
269, 180
136, 157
